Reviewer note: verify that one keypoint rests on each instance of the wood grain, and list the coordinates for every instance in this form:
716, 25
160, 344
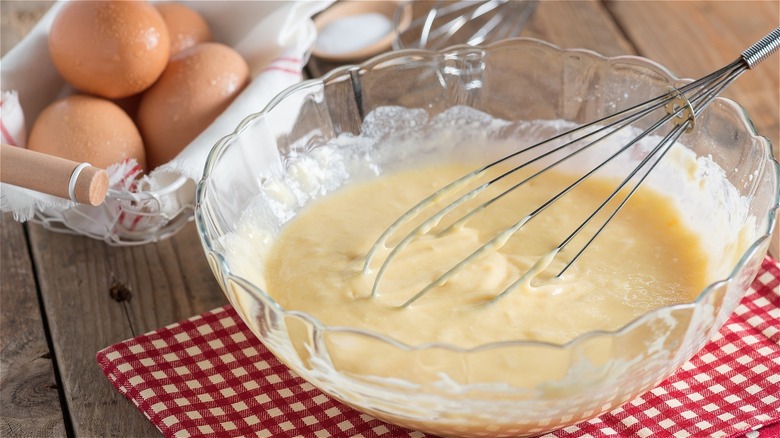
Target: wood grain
97, 295
29, 398
29, 392
578, 24
693, 38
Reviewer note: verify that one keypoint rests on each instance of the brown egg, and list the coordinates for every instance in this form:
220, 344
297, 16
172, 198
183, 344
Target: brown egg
87, 129
186, 27
113, 49
198, 84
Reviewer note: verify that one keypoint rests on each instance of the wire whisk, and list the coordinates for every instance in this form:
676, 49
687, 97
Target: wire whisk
678, 110
441, 23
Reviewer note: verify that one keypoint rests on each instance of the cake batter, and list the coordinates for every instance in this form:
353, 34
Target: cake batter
643, 260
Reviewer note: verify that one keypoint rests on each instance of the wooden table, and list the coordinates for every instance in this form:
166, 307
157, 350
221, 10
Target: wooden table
65, 297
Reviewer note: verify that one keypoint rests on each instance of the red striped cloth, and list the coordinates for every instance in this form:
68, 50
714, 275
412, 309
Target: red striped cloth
209, 376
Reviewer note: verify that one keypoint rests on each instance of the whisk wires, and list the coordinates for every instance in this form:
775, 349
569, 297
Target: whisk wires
681, 108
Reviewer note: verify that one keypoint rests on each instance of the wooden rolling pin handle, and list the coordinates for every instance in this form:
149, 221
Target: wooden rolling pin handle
52, 175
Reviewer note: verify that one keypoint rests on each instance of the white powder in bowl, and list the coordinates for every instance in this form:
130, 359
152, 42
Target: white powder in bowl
353, 33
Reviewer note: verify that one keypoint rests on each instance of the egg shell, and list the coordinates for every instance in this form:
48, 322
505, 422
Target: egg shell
87, 129
112, 49
198, 84
186, 27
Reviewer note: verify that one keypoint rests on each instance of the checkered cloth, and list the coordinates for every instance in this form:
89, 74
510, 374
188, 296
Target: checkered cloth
209, 376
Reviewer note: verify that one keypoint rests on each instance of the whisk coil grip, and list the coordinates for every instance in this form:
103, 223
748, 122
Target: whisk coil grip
763, 49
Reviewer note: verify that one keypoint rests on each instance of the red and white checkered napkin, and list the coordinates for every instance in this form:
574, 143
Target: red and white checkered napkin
210, 376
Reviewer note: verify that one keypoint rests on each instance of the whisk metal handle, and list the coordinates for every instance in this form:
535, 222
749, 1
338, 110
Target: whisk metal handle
763, 49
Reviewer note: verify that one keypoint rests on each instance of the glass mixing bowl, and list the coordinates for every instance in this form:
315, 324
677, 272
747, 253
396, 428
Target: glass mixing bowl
440, 388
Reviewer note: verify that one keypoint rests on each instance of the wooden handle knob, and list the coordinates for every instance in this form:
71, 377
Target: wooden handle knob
56, 176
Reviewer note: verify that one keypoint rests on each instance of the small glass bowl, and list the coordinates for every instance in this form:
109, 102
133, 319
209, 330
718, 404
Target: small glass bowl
397, 20
126, 218
519, 79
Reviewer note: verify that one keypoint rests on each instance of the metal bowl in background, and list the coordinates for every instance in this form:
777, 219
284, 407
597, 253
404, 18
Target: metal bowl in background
436, 24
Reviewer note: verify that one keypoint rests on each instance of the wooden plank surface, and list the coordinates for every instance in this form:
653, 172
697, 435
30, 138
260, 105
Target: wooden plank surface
694, 38
29, 396
29, 391
578, 24
94, 295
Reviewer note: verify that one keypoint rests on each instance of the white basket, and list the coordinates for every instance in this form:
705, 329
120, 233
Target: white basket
267, 34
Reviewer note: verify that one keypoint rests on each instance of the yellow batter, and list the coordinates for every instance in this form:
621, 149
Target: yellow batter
644, 259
